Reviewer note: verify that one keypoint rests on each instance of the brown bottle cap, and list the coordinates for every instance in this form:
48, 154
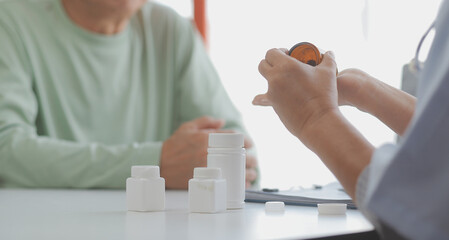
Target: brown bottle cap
306, 53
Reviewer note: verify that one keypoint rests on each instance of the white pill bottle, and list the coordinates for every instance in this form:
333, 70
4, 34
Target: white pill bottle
145, 189
226, 152
207, 191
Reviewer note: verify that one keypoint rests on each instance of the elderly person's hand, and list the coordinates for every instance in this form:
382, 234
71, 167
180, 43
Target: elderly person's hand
251, 164
186, 149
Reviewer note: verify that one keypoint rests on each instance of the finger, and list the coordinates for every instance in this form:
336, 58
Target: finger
251, 175
341, 73
248, 143
264, 67
329, 61
251, 161
275, 56
285, 50
261, 100
207, 122
217, 131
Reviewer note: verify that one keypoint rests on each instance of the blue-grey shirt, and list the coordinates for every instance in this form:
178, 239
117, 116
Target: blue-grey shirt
405, 189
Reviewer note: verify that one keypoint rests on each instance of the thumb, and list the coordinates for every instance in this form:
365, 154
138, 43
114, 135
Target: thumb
248, 143
261, 100
329, 61
207, 122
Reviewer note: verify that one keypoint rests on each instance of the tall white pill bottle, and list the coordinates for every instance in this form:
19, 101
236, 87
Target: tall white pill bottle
226, 151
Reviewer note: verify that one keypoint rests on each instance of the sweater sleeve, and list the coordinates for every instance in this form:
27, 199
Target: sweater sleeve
30, 160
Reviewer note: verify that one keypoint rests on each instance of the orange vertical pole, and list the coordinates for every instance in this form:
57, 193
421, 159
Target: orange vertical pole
199, 14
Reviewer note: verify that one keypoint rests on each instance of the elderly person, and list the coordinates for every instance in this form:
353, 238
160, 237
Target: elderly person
89, 88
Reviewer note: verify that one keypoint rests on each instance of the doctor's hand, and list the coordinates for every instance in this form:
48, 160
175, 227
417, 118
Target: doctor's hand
354, 87
392, 106
351, 84
299, 93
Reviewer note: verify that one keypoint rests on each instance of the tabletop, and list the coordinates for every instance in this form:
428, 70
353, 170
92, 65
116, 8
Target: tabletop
102, 214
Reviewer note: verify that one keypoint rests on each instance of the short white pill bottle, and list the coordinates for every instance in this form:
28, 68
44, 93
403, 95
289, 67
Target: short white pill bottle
207, 191
227, 153
145, 189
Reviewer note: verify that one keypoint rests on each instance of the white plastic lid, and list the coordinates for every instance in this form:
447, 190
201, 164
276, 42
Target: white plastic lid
332, 208
226, 140
145, 171
207, 173
274, 206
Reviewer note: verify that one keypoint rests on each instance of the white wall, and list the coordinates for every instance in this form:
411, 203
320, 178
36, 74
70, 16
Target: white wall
376, 36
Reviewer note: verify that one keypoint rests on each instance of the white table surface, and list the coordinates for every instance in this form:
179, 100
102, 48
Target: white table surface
101, 214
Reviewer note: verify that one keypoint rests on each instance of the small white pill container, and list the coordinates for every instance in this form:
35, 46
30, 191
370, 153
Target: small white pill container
145, 189
207, 191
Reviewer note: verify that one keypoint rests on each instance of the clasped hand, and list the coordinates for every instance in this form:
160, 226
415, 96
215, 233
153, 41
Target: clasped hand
186, 149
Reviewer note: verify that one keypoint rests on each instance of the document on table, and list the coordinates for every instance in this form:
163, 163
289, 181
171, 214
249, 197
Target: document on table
331, 193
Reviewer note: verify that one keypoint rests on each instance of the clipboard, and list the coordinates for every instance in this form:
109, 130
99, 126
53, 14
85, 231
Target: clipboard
330, 193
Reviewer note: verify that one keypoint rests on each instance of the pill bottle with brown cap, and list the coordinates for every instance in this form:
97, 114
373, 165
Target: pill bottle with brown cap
307, 53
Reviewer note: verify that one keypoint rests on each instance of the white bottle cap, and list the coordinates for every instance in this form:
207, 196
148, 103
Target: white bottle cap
226, 140
274, 206
145, 171
332, 208
207, 173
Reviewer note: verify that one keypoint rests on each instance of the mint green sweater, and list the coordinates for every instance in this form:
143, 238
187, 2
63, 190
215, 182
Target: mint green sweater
78, 109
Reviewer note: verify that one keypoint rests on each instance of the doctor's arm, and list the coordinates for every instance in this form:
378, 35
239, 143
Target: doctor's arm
306, 100
356, 88
392, 106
